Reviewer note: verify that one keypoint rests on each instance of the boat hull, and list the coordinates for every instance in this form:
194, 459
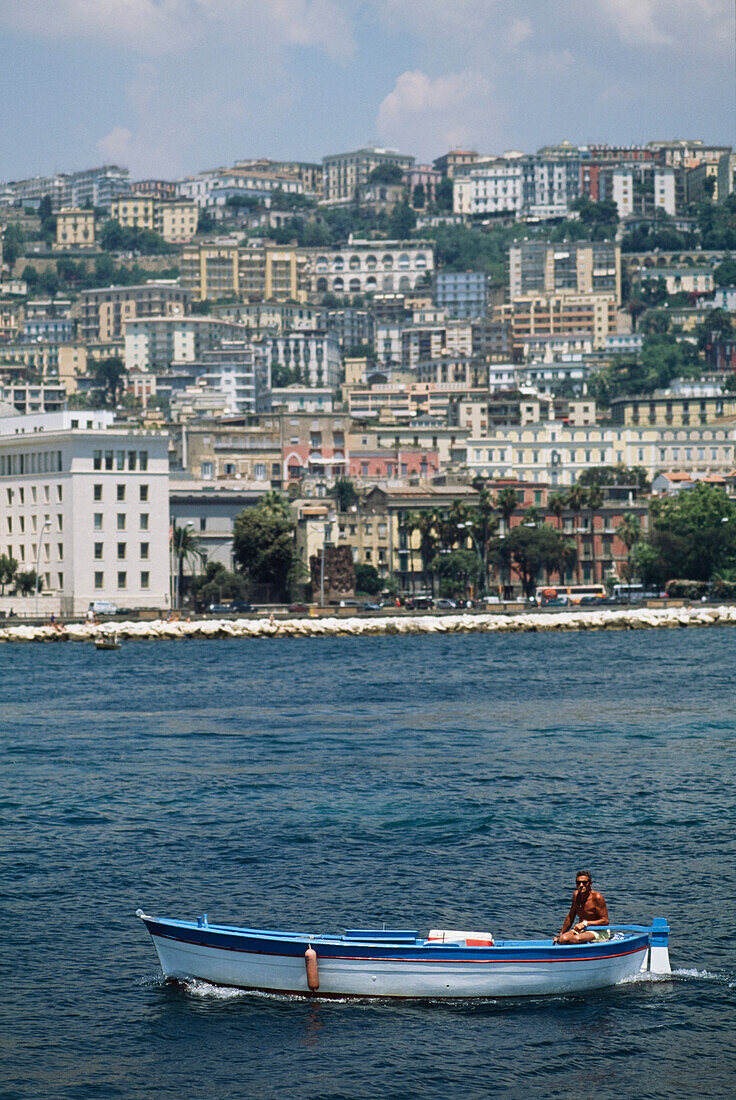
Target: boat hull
425, 971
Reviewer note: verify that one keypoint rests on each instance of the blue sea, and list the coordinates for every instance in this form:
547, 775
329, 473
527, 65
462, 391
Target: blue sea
442, 781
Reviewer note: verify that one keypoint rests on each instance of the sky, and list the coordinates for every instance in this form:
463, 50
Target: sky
170, 87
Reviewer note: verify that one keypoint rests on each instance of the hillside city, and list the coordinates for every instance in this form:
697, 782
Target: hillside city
370, 379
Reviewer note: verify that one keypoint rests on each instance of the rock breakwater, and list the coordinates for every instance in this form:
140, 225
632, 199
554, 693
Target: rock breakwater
471, 623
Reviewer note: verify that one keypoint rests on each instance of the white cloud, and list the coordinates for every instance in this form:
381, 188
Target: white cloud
679, 24
152, 27
430, 115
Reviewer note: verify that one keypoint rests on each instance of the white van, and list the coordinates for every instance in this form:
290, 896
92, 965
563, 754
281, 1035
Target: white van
103, 607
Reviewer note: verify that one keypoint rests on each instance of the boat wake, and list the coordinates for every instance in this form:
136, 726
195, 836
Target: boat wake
199, 988
676, 975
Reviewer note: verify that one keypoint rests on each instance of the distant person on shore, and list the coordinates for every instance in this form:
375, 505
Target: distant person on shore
587, 910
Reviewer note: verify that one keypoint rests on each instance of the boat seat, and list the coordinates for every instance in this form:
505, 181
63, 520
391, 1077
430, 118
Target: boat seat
451, 935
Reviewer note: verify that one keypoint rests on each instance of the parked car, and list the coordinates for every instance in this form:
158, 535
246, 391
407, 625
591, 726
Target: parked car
301, 608
444, 604
555, 601
229, 608
368, 606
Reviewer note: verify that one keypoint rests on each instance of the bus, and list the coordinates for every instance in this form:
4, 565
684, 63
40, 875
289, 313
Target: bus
634, 593
560, 594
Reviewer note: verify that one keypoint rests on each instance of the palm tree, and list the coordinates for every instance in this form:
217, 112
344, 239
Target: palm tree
595, 503
186, 548
275, 502
506, 502
576, 500
629, 531
567, 559
557, 504
424, 523
484, 527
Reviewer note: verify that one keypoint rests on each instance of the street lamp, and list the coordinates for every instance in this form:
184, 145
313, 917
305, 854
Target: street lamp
469, 528
45, 527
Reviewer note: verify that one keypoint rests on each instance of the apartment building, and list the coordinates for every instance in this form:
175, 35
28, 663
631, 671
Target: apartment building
558, 453
364, 267
566, 314
726, 178
313, 356
490, 187
404, 401
88, 502
461, 293
104, 311
237, 369
673, 409
175, 220
455, 162
642, 189
679, 280
229, 448
75, 228
258, 273
537, 267
87, 188
154, 343
344, 173
257, 180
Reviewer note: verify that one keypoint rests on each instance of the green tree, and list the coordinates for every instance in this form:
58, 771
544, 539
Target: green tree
445, 194
187, 549
345, 493
216, 584
367, 578
386, 173
24, 583
109, 375
30, 276
457, 569
630, 533
693, 535
725, 273
419, 197
402, 221
424, 523
264, 547
8, 569
534, 550
557, 503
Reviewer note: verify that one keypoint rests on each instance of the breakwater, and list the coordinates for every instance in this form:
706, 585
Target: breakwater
629, 618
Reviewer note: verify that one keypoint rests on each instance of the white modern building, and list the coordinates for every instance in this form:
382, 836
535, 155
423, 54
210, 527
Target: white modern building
85, 504
489, 187
314, 357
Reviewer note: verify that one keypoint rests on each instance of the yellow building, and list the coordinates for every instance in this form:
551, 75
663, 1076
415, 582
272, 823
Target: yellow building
557, 453
677, 410
75, 228
263, 273
176, 220
133, 211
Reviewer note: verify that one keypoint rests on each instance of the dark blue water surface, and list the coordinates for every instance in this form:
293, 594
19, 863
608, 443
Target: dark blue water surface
441, 781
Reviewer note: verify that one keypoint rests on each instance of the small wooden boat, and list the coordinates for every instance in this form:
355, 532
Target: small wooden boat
107, 641
399, 963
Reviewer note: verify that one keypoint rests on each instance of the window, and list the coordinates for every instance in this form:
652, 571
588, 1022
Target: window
60, 551
145, 579
98, 521
59, 522
108, 460
121, 492
144, 550
121, 521
97, 492
60, 579
206, 469
22, 521
122, 549
122, 580
46, 495
98, 551
143, 492
144, 521
143, 460
97, 460
120, 460
132, 456
99, 580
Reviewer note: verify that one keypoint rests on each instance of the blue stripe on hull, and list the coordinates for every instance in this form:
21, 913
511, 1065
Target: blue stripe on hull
258, 943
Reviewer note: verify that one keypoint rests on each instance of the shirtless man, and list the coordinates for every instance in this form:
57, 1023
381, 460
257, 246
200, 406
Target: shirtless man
587, 910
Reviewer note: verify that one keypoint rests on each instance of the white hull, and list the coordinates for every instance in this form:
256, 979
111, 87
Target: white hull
393, 977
